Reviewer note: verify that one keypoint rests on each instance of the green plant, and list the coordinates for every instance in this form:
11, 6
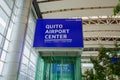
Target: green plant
116, 10
106, 65
89, 75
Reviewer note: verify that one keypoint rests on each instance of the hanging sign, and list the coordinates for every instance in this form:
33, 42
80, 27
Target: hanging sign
58, 33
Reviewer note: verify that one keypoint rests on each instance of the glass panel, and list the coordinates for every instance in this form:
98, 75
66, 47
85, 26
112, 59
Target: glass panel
9, 31
35, 55
0, 40
29, 33
6, 45
13, 18
31, 37
1, 67
28, 39
32, 27
3, 56
10, 3
23, 76
32, 18
24, 68
31, 70
3, 21
26, 52
32, 66
41, 66
2, 25
25, 60
3, 15
33, 58
5, 7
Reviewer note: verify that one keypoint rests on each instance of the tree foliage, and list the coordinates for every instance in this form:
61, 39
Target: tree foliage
106, 65
116, 10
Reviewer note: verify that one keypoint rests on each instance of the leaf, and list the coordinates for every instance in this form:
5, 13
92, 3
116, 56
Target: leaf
116, 10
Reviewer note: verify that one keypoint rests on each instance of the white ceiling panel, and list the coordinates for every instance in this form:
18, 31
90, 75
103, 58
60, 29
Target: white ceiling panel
101, 27
102, 34
65, 4
80, 13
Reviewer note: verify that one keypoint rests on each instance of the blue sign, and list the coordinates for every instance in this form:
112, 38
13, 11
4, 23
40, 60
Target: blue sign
63, 68
114, 60
58, 33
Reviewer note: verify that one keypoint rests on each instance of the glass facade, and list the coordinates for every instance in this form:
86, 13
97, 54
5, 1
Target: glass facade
6, 25
29, 57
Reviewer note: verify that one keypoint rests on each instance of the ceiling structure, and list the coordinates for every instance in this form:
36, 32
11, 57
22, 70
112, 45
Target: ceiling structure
99, 24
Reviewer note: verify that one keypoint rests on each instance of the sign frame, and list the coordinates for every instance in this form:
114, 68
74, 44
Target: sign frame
66, 33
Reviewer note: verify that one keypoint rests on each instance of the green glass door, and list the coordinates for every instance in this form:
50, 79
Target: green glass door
58, 68
63, 71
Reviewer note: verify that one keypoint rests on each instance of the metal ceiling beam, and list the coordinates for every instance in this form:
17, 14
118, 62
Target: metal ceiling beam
37, 9
47, 1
